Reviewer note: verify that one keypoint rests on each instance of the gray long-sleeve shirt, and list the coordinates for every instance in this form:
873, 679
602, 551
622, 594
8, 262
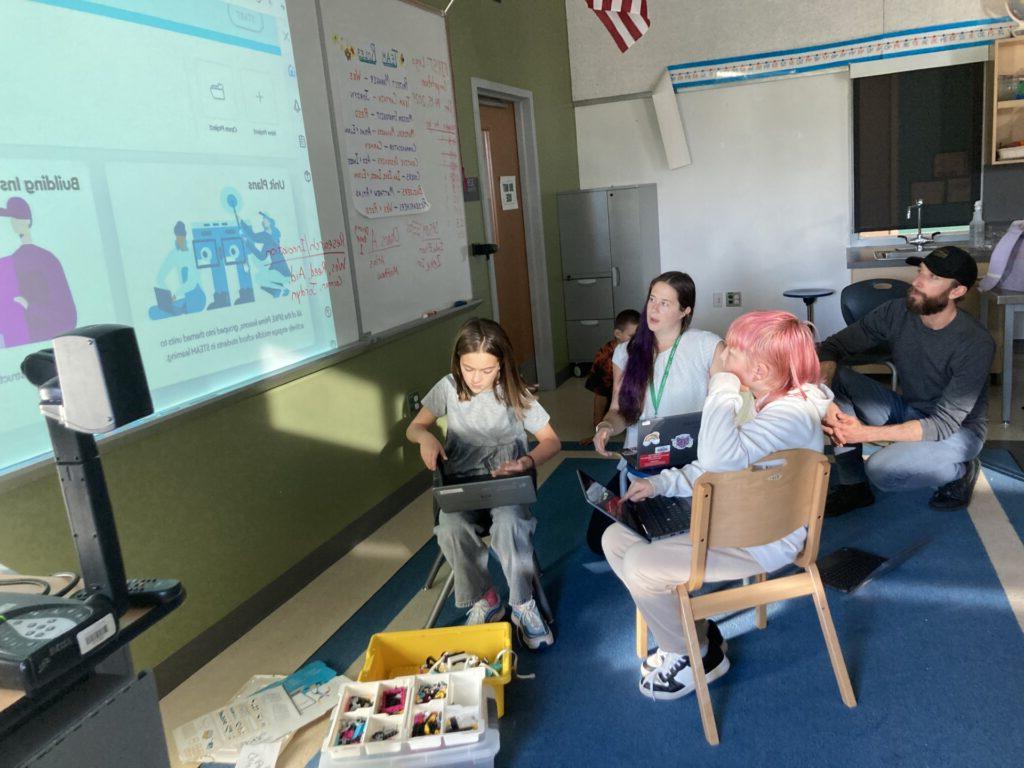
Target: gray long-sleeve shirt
943, 373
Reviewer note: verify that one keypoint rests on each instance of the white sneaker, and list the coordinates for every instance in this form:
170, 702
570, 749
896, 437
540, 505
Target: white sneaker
533, 630
674, 678
484, 612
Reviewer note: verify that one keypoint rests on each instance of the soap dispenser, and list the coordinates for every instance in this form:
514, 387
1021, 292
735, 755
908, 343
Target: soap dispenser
977, 227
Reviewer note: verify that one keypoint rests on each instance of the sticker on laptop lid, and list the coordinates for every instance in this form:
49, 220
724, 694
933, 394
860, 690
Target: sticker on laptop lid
682, 442
652, 438
661, 458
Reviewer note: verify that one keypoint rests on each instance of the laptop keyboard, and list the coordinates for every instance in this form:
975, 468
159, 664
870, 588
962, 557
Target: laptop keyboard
666, 515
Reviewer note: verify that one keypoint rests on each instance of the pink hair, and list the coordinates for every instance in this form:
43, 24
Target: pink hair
783, 343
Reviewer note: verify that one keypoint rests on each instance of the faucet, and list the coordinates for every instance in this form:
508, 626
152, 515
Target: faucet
920, 239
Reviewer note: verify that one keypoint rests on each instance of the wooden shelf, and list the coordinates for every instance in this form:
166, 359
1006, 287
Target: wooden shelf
1010, 104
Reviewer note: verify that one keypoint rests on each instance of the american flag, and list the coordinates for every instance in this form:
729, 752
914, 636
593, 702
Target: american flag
625, 20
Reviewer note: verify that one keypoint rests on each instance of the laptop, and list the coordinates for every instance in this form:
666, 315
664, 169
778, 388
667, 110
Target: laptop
655, 518
665, 441
465, 493
165, 301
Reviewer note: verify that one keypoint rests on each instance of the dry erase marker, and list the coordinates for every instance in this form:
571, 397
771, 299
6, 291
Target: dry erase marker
430, 313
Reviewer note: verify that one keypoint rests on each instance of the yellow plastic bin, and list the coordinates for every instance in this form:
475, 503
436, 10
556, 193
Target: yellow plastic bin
393, 654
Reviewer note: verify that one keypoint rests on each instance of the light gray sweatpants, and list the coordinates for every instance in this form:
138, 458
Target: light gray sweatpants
652, 569
459, 534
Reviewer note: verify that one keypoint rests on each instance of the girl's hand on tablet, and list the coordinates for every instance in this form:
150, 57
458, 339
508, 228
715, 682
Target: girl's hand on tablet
515, 467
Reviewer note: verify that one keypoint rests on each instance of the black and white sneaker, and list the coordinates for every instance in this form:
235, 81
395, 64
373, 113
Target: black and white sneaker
657, 656
674, 678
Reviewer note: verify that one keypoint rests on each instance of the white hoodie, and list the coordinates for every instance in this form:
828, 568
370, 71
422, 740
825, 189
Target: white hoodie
792, 421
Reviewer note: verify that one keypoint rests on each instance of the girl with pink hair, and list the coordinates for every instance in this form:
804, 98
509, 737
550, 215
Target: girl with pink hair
772, 355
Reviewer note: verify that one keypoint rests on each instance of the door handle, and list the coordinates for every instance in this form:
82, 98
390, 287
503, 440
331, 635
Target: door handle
589, 322
615, 277
586, 281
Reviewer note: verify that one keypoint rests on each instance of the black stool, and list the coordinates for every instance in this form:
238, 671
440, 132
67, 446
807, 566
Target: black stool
809, 295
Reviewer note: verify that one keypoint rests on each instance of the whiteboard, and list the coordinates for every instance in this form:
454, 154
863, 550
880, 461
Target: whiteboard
390, 86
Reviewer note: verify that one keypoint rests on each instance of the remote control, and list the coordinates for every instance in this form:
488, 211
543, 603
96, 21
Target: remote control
153, 591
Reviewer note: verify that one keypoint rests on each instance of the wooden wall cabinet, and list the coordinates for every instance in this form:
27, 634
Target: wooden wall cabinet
1007, 111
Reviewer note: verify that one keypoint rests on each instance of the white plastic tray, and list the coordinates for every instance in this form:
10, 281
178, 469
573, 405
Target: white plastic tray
366, 704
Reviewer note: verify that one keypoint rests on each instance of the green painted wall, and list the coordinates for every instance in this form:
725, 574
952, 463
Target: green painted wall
523, 44
229, 497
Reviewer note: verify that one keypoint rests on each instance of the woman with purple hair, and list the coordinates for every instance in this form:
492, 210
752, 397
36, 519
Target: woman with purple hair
663, 370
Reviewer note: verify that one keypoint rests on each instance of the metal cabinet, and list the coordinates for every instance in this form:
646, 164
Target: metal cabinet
610, 252
588, 297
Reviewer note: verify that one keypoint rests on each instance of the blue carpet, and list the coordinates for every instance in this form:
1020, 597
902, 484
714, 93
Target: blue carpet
933, 650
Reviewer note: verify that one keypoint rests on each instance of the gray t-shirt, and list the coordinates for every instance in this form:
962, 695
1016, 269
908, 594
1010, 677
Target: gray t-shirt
943, 373
482, 432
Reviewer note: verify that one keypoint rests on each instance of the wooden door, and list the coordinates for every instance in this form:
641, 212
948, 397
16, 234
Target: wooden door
511, 275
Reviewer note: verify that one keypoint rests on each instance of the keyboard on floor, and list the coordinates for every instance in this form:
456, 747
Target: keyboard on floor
847, 568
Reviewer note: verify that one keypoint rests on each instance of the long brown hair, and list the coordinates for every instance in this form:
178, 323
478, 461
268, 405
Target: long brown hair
482, 335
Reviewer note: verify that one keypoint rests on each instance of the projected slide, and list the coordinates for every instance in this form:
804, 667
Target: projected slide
159, 179
206, 255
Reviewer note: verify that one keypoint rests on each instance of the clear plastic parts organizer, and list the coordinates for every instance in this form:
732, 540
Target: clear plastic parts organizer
409, 715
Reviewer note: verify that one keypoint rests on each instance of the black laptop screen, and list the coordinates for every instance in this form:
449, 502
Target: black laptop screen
601, 497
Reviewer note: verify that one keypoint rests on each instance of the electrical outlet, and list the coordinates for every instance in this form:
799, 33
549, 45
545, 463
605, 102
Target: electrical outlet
733, 299
412, 403
716, 299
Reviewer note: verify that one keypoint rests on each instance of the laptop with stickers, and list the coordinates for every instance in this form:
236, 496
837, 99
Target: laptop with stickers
665, 441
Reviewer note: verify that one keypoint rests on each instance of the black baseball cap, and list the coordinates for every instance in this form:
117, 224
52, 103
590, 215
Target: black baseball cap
949, 261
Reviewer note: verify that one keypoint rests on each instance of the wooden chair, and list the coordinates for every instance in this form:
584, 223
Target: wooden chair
755, 506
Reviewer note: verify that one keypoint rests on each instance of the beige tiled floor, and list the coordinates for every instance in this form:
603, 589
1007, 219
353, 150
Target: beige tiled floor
288, 636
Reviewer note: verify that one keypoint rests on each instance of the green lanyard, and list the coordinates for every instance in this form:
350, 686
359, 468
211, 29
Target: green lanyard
656, 396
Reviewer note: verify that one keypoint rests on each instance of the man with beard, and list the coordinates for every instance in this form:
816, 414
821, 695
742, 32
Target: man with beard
937, 424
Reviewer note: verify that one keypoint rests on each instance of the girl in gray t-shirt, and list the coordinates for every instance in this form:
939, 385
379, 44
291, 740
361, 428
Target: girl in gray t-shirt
489, 411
